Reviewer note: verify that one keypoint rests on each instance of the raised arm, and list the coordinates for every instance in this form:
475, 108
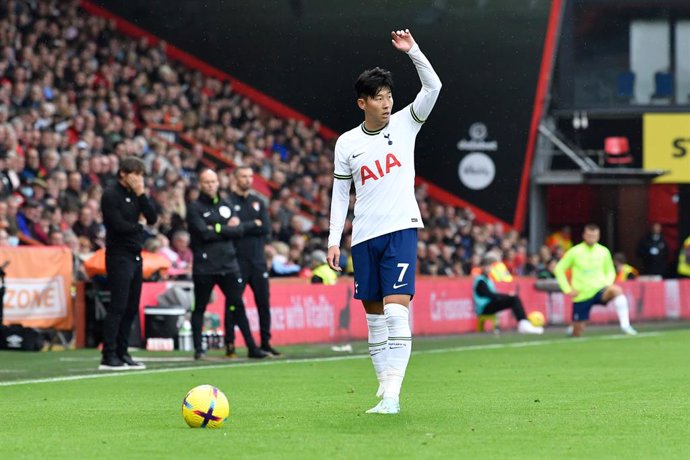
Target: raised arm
431, 85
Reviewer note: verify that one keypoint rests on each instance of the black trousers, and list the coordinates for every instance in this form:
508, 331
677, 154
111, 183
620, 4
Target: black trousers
256, 276
235, 314
503, 302
124, 281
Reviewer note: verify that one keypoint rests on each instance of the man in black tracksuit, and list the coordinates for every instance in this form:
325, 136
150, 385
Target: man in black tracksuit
250, 249
122, 204
213, 229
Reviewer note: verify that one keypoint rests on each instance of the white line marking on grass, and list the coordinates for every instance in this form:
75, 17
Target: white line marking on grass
149, 359
270, 362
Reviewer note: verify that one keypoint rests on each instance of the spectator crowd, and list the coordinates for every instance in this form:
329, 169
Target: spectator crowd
76, 97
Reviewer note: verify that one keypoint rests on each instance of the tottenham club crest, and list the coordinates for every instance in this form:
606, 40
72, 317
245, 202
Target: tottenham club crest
224, 212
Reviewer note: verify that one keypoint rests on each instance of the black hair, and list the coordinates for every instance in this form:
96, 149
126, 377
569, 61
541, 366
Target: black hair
131, 165
370, 82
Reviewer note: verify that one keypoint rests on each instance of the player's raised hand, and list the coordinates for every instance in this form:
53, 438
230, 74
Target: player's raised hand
402, 40
333, 258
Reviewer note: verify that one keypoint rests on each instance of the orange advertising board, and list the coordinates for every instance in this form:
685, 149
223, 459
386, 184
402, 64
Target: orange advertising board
38, 287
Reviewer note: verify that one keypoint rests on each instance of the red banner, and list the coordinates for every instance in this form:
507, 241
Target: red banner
306, 313
37, 287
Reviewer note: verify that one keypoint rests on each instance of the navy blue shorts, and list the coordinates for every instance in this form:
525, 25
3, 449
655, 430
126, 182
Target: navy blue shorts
581, 309
385, 265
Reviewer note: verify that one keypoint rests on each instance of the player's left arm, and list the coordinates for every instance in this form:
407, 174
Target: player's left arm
431, 83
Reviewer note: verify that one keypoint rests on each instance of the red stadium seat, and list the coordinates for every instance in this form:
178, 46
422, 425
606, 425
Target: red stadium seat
617, 150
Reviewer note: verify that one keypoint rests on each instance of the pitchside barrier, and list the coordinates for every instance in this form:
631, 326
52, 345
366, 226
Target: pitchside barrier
312, 313
38, 286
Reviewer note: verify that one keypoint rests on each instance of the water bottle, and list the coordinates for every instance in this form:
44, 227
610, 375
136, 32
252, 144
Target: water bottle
185, 336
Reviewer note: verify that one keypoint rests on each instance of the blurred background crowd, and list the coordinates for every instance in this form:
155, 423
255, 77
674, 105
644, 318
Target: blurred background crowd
76, 97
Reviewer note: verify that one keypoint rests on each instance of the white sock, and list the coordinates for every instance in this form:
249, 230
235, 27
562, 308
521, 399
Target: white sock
621, 304
399, 347
378, 345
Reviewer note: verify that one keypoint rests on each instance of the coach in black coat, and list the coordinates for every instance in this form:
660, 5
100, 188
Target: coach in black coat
122, 205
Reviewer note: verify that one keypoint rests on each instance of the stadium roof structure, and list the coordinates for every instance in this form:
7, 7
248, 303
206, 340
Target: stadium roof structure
603, 176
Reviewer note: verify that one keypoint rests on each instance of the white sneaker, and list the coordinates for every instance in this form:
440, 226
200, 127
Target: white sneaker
629, 330
525, 327
569, 331
386, 406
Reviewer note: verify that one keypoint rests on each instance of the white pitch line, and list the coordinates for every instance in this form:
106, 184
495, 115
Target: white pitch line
148, 359
129, 373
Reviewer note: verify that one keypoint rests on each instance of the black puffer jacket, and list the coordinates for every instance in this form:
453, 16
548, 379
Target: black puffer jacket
212, 238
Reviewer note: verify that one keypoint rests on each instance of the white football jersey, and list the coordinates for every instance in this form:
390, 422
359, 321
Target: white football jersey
381, 165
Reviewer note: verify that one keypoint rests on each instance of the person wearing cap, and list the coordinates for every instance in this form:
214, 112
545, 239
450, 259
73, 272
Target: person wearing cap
28, 217
38, 187
488, 301
123, 204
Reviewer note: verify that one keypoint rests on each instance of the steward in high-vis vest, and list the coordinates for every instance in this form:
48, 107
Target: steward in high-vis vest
624, 271
322, 273
684, 259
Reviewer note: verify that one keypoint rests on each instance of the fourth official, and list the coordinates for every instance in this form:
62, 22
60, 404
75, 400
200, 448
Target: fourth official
213, 228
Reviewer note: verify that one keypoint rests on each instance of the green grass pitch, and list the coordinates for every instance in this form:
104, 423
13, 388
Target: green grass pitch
474, 396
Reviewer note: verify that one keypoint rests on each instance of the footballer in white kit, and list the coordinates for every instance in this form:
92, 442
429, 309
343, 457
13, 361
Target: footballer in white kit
378, 156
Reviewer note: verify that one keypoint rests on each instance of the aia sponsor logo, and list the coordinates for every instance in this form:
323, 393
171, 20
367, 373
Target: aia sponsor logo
379, 170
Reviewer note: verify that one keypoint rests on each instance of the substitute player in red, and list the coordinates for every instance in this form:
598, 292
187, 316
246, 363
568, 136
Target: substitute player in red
378, 156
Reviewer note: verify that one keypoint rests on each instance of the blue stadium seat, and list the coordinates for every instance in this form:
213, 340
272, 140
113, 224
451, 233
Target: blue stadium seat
625, 82
663, 86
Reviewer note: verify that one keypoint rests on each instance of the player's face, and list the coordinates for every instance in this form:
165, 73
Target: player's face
591, 237
208, 183
377, 109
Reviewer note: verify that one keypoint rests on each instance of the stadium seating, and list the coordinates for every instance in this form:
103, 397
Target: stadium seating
617, 151
663, 87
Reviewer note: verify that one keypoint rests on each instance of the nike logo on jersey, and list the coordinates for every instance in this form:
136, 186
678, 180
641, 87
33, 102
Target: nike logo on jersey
398, 286
367, 173
207, 213
361, 153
